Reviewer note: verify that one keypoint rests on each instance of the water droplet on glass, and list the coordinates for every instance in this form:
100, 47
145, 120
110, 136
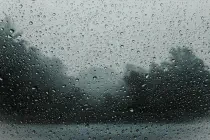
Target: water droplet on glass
34, 88
21, 6
31, 23
121, 46
131, 110
11, 31
94, 77
143, 85
9, 36
173, 60
34, 132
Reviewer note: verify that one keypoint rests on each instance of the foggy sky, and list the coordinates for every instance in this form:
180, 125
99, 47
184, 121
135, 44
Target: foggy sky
107, 33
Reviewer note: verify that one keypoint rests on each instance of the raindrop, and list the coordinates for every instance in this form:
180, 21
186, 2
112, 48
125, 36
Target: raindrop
173, 60
31, 23
9, 36
34, 88
143, 85
11, 31
77, 79
34, 132
121, 46
94, 77
131, 110
21, 6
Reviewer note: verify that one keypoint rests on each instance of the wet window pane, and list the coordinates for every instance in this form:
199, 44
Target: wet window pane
102, 69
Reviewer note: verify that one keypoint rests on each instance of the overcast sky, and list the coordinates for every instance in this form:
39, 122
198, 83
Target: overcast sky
111, 33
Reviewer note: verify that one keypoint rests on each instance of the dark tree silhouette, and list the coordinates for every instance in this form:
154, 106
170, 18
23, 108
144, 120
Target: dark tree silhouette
33, 87
175, 90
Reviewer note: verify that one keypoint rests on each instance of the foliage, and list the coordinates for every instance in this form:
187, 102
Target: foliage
35, 89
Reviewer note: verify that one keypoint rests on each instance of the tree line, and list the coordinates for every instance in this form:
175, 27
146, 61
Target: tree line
35, 89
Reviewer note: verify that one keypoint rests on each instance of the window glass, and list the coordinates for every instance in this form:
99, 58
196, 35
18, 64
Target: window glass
104, 69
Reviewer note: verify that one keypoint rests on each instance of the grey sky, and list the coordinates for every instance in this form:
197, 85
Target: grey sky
108, 33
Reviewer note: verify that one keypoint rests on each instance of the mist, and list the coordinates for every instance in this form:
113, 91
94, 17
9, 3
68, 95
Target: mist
37, 89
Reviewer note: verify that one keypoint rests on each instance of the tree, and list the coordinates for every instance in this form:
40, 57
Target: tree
34, 88
174, 90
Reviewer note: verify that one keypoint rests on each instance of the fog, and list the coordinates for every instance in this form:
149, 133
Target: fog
111, 33
104, 69
196, 131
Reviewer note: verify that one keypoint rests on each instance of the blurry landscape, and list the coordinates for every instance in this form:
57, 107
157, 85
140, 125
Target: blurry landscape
36, 89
